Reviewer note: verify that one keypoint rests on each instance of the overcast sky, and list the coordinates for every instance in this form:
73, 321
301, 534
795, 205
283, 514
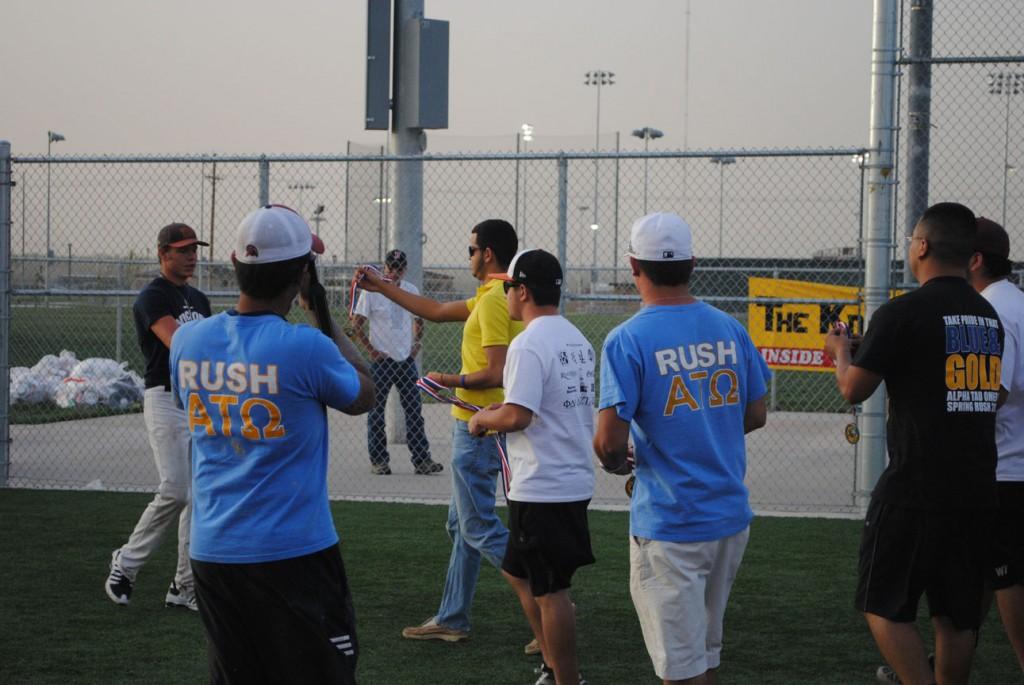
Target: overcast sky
252, 76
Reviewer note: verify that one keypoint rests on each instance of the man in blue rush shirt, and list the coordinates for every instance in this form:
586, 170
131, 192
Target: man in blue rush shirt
269, 577
686, 380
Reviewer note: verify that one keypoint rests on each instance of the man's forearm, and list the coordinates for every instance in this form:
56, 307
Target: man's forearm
422, 307
347, 348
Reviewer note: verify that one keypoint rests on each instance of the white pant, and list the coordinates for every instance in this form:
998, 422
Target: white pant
168, 436
680, 590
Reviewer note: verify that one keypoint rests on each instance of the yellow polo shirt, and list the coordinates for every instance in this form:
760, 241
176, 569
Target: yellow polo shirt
488, 325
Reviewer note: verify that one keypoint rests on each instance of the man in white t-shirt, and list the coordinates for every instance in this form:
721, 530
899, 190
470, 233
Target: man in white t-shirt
549, 417
987, 272
393, 343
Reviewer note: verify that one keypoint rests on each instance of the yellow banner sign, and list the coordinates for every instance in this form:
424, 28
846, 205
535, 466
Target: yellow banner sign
789, 335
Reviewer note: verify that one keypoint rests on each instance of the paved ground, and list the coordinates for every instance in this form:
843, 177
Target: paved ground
798, 463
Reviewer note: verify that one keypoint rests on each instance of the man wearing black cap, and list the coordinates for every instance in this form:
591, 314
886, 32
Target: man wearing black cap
392, 345
548, 415
987, 272
163, 305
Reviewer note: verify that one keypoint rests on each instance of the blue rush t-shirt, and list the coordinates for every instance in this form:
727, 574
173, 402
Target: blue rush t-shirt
254, 388
682, 375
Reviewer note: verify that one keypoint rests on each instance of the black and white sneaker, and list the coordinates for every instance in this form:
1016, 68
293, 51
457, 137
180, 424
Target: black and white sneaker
547, 676
180, 597
119, 583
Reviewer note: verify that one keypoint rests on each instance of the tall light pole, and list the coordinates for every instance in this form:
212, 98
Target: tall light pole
301, 187
647, 133
598, 78
722, 162
526, 133
1006, 83
51, 138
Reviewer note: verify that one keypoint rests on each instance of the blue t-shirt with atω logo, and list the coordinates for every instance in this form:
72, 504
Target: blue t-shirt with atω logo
682, 375
255, 389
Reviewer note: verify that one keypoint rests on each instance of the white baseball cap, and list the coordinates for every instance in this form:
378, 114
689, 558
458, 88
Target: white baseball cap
274, 233
660, 237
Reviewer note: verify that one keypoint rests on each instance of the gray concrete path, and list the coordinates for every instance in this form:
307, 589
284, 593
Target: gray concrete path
798, 463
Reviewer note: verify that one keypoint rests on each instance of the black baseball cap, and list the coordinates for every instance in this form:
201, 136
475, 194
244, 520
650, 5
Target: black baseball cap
535, 268
177, 235
395, 259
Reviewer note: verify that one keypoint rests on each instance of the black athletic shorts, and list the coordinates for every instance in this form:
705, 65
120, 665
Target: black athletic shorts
547, 542
288, 621
905, 553
1007, 560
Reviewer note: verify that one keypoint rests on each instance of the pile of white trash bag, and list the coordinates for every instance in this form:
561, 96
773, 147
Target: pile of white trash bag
68, 382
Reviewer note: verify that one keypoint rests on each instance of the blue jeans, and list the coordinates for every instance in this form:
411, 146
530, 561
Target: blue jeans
473, 526
385, 373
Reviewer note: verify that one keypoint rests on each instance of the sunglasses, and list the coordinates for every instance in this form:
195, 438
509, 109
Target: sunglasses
473, 249
508, 285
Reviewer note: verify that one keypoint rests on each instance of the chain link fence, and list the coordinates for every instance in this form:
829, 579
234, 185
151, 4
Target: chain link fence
778, 238
83, 244
972, 64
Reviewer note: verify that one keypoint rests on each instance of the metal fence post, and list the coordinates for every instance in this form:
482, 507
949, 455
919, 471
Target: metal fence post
515, 213
615, 234
877, 243
5, 311
919, 107
563, 224
265, 181
118, 349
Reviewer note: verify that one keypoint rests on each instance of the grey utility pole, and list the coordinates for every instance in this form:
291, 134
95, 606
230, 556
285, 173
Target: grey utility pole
919, 106
880, 167
406, 234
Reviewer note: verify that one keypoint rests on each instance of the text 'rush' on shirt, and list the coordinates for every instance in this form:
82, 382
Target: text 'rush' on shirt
683, 375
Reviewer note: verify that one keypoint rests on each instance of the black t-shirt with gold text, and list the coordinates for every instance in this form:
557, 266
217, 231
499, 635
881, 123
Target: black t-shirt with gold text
939, 351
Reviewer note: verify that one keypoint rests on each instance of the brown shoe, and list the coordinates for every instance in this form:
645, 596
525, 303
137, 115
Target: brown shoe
431, 630
532, 647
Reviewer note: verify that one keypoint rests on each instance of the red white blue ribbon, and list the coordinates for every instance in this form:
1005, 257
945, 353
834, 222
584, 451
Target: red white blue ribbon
446, 395
354, 286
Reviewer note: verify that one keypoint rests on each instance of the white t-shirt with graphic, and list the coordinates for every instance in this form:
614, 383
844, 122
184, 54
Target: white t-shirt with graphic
549, 370
390, 325
1008, 301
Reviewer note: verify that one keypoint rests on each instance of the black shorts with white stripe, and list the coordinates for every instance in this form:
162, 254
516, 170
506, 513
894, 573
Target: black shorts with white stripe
280, 621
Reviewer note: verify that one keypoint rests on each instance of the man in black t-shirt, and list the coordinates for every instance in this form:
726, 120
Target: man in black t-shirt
163, 305
938, 349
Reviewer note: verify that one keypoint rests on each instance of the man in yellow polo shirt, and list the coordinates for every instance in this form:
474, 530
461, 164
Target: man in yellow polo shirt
473, 526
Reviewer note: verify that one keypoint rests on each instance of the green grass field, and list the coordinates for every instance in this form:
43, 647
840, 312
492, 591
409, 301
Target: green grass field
91, 331
790, 619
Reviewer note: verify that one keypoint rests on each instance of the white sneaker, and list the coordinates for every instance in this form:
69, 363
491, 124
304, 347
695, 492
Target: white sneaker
179, 597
